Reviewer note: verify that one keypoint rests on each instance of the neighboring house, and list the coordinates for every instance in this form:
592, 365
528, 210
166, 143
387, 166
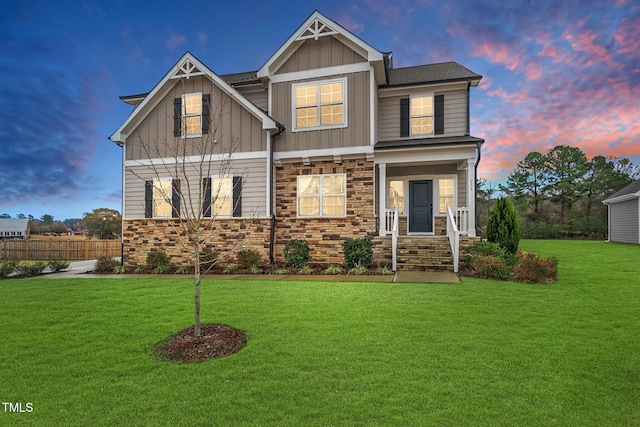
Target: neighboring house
12, 228
329, 138
624, 214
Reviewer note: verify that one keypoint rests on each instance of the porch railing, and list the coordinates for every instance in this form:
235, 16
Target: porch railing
391, 227
454, 235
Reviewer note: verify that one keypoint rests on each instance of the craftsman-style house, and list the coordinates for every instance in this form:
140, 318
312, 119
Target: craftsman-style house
330, 142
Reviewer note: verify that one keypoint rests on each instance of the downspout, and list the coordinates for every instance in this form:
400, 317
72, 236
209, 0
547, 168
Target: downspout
272, 231
475, 201
468, 107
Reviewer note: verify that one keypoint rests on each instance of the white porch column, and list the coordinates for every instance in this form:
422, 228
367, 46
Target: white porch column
471, 195
382, 196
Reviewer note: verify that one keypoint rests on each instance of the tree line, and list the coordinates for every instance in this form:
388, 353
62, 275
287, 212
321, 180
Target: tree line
101, 223
559, 194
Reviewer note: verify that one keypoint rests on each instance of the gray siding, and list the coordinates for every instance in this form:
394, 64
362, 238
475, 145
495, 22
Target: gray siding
433, 170
357, 133
455, 115
254, 178
232, 125
324, 52
259, 97
624, 222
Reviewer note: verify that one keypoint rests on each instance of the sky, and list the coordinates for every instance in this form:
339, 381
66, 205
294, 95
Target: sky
554, 72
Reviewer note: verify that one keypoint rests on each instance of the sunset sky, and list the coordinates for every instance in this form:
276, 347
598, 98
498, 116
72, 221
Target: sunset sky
555, 72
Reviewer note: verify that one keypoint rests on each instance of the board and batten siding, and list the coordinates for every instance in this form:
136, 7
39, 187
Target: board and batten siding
324, 52
625, 222
232, 126
252, 171
356, 133
455, 115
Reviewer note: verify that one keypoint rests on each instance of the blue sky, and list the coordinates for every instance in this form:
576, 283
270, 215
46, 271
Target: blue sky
555, 72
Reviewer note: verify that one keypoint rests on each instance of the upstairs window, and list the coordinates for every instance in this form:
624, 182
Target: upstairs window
322, 195
191, 115
319, 105
422, 115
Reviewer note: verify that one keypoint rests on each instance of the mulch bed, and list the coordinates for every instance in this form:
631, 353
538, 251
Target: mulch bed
215, 340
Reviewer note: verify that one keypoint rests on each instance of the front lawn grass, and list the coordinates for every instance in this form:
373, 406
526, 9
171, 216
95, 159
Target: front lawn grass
323, 353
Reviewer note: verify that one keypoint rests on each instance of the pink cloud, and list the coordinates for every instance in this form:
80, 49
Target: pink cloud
350, 24
202, 37
627, 35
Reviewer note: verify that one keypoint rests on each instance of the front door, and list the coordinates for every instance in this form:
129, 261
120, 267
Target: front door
421, 206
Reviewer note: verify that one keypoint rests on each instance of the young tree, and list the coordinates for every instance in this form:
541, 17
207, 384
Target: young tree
194, 198
503, 226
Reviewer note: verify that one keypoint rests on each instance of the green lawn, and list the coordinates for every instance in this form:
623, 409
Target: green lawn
477, 353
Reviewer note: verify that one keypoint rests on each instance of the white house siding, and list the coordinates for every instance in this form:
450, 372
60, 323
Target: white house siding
254, 193
624, 222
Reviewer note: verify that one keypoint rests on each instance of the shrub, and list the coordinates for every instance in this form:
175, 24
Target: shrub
358, 252
106, 265
158, 261
305, 270
384, 270
332, 269
490, 267
254, 269
296, 252
7, 267
230, 269
30, 270
56, 266
120, 269
531, 268
503, 227
140, 268
248, 258
358, 270
279, 270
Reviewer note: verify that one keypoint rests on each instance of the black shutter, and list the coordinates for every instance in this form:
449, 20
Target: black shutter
175, 198
177, 116
148, 199
404, 117
237, 198
206, 197
439, 114
206, 119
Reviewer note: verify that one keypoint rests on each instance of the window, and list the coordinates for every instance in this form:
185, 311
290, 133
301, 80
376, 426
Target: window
422, 115
191, 115
162, 198
319, 105
396, 195
445, 194
322, 195
222, 196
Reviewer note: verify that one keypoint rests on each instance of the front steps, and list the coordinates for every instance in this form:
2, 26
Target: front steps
424, 253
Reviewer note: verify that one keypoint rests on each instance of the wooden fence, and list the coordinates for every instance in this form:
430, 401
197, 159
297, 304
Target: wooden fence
59, 249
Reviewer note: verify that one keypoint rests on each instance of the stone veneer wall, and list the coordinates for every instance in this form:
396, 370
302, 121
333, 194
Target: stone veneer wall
231, 235
325, 235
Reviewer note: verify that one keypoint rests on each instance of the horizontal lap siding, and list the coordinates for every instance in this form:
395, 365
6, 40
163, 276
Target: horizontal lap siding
254, 177
232, 126
624, 222
455, 115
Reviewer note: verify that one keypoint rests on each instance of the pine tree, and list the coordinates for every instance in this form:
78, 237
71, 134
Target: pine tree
503, 226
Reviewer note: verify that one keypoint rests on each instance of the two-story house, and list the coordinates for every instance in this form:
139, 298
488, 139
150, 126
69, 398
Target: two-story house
330, 142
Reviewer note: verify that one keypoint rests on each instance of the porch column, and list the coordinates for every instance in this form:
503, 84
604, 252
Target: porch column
382, 196
471, 195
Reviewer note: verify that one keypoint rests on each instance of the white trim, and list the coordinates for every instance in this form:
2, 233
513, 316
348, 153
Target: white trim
373, 106
382, 194
316, 73
324, 152
194, 159
623, 198
163, 87
426, 154
319, 126
290, 46
392, 91
269, 170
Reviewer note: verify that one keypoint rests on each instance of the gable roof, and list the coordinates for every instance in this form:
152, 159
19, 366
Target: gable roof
315, 26
631, 191
13, 224
188, 66
432, 73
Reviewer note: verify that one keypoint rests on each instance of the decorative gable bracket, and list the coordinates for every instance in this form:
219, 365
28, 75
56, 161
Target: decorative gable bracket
316, 29
186, 70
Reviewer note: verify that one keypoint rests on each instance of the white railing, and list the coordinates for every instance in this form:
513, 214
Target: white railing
391, 227
454, 236
461, 218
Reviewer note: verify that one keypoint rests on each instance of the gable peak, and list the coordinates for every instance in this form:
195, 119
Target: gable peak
317, 28
188, 68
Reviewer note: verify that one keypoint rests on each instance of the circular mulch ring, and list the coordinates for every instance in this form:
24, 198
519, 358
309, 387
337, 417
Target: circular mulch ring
215, 341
